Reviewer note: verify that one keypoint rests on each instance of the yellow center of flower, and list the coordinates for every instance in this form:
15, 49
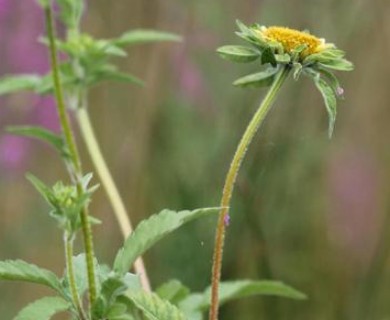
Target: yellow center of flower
291, 39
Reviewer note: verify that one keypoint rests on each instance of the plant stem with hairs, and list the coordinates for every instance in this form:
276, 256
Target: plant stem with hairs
68, 243
75, 169
230, 180
109, 186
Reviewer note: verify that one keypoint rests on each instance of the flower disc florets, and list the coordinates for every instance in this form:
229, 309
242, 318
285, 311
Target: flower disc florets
292, 39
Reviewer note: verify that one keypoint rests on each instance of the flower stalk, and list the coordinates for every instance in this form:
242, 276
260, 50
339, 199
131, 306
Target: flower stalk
109, 186
75, 169
230, 180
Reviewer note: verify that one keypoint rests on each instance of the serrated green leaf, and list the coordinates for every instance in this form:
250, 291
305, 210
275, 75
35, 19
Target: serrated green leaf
150, 231
18, 270
42, 134
238, 53
139, 36
231, 290
43, 309
330, 102
260, 79
173, 291
11, 84
155, 308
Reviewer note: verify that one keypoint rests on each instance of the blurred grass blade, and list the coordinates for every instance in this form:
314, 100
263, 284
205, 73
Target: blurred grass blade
139, 36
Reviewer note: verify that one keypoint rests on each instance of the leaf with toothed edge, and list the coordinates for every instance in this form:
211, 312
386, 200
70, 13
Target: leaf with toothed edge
155, 308
18, 270
149, 231
43, 309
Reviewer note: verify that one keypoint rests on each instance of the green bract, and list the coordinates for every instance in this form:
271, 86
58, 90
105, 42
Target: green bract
301, 52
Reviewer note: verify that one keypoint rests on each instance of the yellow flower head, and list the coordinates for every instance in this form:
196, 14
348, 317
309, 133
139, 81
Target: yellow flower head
283, 49
291, 39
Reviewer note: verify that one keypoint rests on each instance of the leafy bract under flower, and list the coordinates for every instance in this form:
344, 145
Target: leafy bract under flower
280, 47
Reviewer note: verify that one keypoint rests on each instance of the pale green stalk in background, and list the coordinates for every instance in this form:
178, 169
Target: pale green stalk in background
109, 185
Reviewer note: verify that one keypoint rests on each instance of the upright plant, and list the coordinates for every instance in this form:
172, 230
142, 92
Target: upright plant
90, 290
282, 51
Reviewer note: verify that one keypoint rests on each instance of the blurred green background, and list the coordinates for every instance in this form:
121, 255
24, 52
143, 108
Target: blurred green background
309, 211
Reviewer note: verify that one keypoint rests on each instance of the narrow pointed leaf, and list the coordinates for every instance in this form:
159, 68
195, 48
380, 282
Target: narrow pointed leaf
11, 84
330, 102
145, 36
152, 230
18, 270
41, 187
155, 308
43, 309
260, 79
238, 53
39, 133
341, 65
332, 81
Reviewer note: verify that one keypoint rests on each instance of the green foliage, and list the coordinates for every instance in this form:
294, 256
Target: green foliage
330, 102
238, 53
43, 309
112, 295
71, 12
139, 36
151, 231
196, 303
42, 134
16, 83
66, 201
173, 291
155, 308
18, 270
259, 79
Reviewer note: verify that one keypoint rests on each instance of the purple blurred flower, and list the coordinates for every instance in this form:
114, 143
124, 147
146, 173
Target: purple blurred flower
354, 218
21, 23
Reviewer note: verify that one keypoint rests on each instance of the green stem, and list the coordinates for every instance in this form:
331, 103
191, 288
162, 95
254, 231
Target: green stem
75, 168
231, 177
68, 243
109, 185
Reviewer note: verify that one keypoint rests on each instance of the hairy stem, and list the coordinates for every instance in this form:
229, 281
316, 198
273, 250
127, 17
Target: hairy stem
75, 167
68, 243
109, 186
230, 180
